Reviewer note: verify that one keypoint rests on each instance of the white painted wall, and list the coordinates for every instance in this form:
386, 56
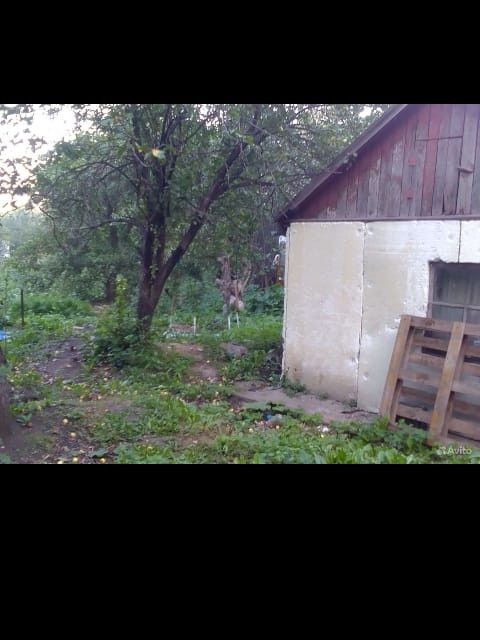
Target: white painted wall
470, 241
347, 283
396, 282
323, 306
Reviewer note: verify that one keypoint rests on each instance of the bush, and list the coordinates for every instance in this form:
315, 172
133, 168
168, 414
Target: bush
268, 300
117, 333
55, 304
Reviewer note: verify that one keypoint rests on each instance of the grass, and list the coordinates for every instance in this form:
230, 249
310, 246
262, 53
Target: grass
155, 414
293, 443
262, 336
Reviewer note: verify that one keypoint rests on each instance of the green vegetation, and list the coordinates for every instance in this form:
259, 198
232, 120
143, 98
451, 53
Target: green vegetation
119, 243
158, 414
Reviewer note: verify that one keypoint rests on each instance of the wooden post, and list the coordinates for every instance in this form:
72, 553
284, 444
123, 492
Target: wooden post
22, 308
442, 408
393, 384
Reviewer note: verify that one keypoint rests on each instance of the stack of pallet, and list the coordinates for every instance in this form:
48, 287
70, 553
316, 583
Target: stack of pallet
434, 378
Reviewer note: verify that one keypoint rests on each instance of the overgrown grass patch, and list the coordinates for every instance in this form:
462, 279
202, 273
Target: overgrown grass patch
296, 443
261, 335
39, 330
51, 304
202, 391
159, 415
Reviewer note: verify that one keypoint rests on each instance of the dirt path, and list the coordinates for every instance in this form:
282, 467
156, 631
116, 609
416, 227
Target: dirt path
45, 430
331, 410
248, 391
61, 432
202, 368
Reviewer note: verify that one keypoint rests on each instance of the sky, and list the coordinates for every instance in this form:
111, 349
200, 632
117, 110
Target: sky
52, 129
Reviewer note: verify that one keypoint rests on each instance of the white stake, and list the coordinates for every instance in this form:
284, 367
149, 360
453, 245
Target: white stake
238, 320
194, 325
228, 322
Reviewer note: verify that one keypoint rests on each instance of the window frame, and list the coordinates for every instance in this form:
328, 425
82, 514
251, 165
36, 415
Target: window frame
434, 269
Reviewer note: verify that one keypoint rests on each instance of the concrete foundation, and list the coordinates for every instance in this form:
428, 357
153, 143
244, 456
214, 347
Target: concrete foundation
347, 284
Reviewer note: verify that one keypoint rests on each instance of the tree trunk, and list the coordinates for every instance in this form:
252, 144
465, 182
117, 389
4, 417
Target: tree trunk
154, 278
146, 305
156, 271
110, 288
110, 284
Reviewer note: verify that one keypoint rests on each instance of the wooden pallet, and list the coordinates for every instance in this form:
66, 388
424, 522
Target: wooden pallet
434, 377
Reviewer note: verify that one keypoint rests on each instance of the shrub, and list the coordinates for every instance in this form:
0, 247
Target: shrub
51, 303
117, 333
268, 300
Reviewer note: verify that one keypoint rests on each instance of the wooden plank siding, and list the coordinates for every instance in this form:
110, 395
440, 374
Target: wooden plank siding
475, 202
430, 160
467, 160
394, 192
385, 175
424, 162
352, 196
363, 186
409, 166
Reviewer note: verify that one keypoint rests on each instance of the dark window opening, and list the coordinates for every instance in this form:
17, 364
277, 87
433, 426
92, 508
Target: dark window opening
454, 292
455, 297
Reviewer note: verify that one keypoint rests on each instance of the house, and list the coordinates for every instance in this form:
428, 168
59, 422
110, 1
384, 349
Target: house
392, 227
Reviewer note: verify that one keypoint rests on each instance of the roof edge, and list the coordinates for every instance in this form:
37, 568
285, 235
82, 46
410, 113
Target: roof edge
284, 216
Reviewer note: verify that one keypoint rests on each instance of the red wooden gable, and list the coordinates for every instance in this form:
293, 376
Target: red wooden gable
423, 162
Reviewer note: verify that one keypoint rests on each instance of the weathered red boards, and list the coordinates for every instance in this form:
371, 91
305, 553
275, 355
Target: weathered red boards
434, 377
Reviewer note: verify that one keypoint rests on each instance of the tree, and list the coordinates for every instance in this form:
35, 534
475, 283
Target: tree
87, 209
177, 162
182, 172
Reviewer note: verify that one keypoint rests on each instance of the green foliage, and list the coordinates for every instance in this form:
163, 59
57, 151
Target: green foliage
38, 331
293, 443
157, 415
257, 334
163, 415
292, 388
256, 364
202, 391
264, 301
117, 334
169, 454
51, 304
25, 378
262, 335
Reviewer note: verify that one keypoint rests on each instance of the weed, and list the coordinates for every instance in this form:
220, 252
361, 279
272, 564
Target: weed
42, 442
51, 304
292, 388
